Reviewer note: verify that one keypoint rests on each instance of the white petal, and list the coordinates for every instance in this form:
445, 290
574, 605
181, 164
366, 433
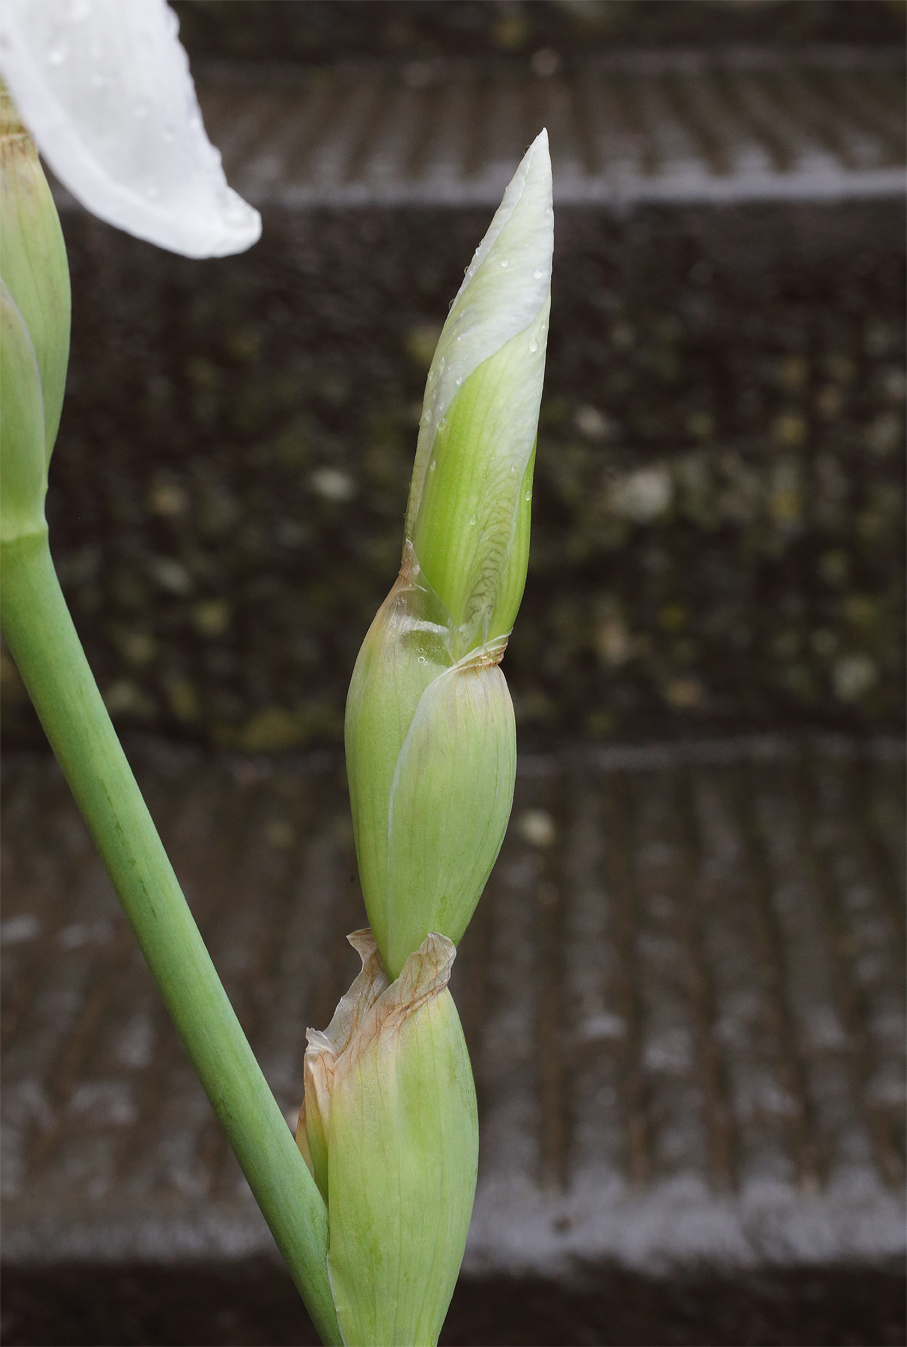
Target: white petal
104, 88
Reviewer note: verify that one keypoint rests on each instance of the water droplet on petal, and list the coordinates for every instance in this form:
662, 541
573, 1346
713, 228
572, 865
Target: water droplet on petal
528, 495
538, 274
473, 520
534, 345
422, 659
460, 380
432, 465
505, 261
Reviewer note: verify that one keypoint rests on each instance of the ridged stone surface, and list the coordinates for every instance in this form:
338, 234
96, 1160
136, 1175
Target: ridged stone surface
631, 128
679, 126
682, 993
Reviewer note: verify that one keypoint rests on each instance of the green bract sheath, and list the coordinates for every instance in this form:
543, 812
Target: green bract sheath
433, 740
23, 473
389, 1129
33, 262
430, 733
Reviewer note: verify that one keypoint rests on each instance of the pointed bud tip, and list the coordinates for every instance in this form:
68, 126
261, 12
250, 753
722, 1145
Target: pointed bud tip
541, 151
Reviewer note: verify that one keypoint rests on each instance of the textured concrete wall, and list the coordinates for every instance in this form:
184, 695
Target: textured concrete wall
328, 30
719, 499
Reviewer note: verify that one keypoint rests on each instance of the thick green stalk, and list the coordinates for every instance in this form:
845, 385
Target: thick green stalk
46, 648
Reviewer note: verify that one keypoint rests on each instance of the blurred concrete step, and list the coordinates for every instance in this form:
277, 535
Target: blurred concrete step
682, 992
680, 126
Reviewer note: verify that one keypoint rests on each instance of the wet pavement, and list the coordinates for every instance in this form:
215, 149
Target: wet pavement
682, 993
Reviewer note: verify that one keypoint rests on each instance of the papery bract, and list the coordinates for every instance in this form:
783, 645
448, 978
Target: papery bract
390, 1130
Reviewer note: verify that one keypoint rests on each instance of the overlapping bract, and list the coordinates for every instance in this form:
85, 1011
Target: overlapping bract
434, 741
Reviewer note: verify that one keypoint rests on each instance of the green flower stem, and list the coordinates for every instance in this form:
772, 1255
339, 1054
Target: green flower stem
43, 641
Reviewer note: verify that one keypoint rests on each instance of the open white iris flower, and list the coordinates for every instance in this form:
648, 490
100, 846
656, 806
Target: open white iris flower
104, 88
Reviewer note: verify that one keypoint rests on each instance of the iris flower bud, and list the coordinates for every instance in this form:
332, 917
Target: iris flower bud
390, 1132
468, 515
34, 327
430, 731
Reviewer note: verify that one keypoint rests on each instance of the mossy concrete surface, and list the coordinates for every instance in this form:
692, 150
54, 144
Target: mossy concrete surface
718, 511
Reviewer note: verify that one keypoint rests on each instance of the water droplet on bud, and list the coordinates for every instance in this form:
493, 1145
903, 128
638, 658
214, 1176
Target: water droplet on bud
473, 520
